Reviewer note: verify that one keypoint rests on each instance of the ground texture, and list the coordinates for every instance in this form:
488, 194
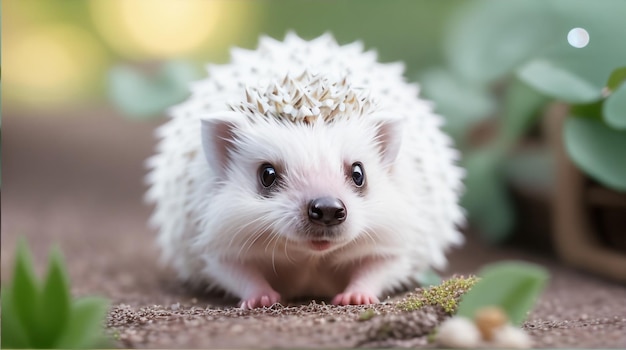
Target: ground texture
75, 180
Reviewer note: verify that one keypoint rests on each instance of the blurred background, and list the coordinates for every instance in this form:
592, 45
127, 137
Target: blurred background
532, 92
61, 52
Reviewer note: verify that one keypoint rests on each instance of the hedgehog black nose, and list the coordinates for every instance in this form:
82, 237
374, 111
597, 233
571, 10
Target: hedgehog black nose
327, 211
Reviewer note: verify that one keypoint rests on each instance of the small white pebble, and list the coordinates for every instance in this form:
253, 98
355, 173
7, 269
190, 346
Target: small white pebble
511, 337
458, 332
175, 306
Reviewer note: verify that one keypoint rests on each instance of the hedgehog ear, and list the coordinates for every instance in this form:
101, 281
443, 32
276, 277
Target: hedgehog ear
218, 137
389, 136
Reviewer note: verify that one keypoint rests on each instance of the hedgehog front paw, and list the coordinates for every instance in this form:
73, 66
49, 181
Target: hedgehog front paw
262, 299
355, 298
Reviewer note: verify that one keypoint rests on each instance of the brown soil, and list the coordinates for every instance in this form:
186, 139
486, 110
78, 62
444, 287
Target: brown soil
75, 180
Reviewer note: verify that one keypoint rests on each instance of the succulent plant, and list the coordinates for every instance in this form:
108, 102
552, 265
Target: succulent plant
511, 60
42, 314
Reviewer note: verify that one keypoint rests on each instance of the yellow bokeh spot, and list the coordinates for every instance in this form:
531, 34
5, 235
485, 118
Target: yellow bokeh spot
49, 64
156, 28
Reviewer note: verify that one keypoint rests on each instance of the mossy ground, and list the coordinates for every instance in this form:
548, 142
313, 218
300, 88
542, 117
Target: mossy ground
446, 295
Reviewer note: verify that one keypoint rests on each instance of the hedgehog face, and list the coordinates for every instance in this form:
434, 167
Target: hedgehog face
313, 185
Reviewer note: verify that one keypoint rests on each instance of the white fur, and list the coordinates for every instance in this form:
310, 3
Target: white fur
217, 229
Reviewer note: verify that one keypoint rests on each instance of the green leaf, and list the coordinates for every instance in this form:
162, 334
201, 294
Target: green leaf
616, 79
86, 322
578, 75
513, 286
461, 103
486, 199
590, 110
55, 300
429, 278
614, 110
488, 39
25, 292
530, 168
598, 150
521, 104
14, 334
141, 96
555, 81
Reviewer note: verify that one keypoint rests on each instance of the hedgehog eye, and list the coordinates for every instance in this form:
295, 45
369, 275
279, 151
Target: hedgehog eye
267, 175
358, 175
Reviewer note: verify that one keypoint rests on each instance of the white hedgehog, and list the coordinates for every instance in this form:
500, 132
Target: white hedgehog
305, 168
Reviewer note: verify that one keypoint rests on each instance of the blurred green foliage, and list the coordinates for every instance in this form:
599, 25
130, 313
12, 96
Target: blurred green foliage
428, 278
510, 60
512, 286
43, 315
402, 30
142, 95
445, 294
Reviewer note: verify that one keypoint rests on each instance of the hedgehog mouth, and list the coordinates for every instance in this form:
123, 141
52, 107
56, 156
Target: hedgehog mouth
320, 244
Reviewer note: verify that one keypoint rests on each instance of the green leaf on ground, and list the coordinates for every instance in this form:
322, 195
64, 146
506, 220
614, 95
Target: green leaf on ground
55, 299
25, 292
13, 332
598, 150
614, 109
85, 324
513, 286
46, 317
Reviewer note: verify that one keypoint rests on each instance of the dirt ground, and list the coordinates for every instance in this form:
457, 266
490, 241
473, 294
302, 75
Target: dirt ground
74, 179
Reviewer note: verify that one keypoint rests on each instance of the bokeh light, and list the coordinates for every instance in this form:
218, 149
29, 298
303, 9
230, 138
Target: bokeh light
157, 28
51, 64
578, 38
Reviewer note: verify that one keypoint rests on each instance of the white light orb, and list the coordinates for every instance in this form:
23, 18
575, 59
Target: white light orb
578, 38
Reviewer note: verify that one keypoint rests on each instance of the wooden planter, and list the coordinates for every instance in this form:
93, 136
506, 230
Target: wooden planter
589, 220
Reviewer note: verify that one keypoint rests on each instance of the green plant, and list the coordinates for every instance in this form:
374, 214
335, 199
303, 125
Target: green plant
42, 314
367, 315
429, 278
512, 286
140, 95
510, 59
445, 295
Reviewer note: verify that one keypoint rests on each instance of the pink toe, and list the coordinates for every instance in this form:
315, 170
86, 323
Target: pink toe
263, 300
355, 299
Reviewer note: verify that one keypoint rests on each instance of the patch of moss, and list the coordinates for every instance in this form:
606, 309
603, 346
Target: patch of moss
367, 315
432, 336
445, 295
